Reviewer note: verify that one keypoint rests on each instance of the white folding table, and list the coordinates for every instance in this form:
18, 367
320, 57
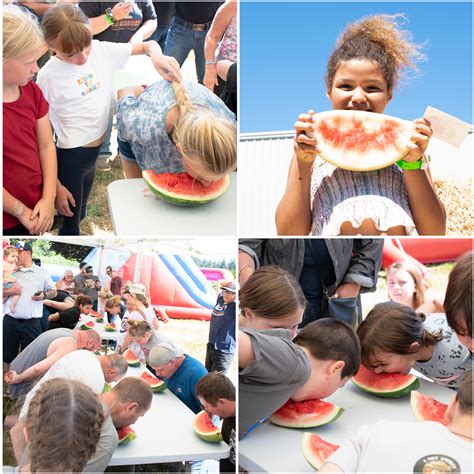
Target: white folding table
270, 448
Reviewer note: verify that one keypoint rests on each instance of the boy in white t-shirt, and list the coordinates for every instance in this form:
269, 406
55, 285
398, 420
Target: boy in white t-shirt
412, 447
78, 85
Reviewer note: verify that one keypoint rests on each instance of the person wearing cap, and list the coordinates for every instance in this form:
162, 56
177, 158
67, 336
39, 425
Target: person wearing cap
88, 284
221, 346
23, 325
180, 372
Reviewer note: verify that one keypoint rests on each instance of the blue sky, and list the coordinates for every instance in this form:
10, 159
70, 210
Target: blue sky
284, 49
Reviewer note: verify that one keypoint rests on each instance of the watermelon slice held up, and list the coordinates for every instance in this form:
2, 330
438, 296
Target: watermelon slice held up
204, 428
427, 409
126, 434
306, 414
182, 190
316, 450
361, 141
132, 359
156, 385
86, 326
110, 327
385, 385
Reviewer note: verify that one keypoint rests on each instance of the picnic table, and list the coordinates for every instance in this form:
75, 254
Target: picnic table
165, 434
258, 450
135, 211
106, 336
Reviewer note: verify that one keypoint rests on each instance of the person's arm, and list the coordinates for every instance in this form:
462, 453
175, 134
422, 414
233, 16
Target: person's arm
44, 208
64, 200
18, 440
293, 214
14, 207
428, 212
144, 32
14, 290
66, 304
167, 66
100, 22
246, 353
247, 264
220, 23
58, 283
130, 90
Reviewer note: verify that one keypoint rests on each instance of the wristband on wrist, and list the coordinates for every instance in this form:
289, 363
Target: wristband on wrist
421, 164
109, 16
210, 62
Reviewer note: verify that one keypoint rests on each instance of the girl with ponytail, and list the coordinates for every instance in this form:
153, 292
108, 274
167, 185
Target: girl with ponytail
370, 58
395, 339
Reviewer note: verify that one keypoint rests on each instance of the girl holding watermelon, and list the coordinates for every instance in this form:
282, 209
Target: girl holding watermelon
362, 72
395, 339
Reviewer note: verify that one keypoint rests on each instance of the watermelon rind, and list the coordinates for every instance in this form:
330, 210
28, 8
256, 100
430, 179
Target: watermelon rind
362, 161
107, 388
99, 320
109, 328
86, 326
132, 362
156, 385
128, 437
309, 420
417, 399
180, 199
210, 435
314, 458
410, 383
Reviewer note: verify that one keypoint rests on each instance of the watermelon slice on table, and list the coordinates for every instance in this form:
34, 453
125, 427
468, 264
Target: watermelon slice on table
94, 314
361, 141
306, 414
427, 409
132, 359
126, 435
86, 326
316, 450
385, 385
107, 388
205, 429
110, 327
182, 190
99, 319
156, 385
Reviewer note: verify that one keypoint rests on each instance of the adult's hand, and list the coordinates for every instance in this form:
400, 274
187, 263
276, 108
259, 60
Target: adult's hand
27, 220
210, 77
14, 290
121, 10
39, 297
44, 212
167, 66
64, 199
347, 290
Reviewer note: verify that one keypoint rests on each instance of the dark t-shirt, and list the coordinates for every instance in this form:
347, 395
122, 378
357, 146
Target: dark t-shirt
122, 30
197, 12
228, 434
164, 12
222, 327
60, 297
67, 319
115, 285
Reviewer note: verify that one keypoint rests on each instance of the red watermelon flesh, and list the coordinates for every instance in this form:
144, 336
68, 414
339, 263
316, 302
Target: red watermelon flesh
316, 450
205, 429
306, 414
110, 327
182, 190
385, 384
156, 385
126, 434
95, 314
131, 358
361, 141
427, 409
86, 326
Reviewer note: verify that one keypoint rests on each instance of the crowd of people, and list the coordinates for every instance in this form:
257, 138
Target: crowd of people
42, 361
173, 125
289, 351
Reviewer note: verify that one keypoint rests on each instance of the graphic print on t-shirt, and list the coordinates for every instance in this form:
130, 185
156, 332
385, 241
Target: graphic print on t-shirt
436, 463
88, 83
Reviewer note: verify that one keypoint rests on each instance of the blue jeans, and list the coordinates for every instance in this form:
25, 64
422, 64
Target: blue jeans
182, 39
160, 35
105, 148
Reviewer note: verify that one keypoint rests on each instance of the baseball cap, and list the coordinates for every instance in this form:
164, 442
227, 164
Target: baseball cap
22, 245
230, 287
89, 269
137, 289
161, 354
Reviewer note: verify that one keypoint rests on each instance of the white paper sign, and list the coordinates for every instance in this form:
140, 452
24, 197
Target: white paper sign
446, 127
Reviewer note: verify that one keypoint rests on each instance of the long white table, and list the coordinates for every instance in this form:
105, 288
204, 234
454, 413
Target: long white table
135, 211
106, 336
270, 448
165, 434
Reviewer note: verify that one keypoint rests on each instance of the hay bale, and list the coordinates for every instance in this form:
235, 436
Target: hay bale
458, 202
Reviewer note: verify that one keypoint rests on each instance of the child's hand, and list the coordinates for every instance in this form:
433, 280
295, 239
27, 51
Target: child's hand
419, 140
11, 377
44, 210
305, 145
64, 199
53, 317
167, 66
26, 220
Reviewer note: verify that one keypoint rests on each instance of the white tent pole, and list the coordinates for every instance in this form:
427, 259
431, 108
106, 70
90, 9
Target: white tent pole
138, 263
99, 260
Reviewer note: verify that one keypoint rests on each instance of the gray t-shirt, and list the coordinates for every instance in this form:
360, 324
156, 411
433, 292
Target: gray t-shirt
279, 369
404, 447
108, 442
31, 355
450, 360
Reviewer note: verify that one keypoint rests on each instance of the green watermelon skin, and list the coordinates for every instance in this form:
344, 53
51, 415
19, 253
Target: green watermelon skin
204, 428
191, 193
126, 435
385, 385
87, 326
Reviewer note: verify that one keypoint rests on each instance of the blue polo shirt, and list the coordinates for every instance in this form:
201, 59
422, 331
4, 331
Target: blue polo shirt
31, 280
183, 382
